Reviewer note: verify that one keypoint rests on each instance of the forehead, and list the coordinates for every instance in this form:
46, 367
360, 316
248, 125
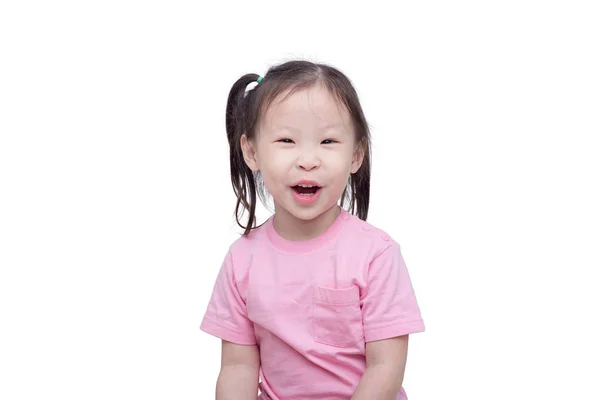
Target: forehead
306, 108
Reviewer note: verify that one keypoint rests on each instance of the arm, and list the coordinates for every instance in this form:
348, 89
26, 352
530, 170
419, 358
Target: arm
390, 313
238, 379
227, 318
386, 361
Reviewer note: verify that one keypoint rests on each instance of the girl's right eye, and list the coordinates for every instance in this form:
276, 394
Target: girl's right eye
285, 141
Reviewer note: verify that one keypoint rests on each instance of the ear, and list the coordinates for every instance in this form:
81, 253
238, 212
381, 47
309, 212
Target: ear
249, 153
357, 157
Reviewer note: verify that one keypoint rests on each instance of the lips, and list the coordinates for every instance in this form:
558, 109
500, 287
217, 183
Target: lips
306, 187
306, 192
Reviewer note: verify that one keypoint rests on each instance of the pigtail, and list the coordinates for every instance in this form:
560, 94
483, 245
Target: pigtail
360, 184
236, 124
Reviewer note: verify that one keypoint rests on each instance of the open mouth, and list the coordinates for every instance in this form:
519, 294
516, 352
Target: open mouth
306, 190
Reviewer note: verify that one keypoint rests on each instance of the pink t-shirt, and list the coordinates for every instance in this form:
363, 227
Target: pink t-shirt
311, 306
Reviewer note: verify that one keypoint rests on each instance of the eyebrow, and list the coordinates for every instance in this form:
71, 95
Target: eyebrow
291, 128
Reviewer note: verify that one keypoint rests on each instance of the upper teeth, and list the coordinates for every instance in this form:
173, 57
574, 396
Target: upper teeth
307, 186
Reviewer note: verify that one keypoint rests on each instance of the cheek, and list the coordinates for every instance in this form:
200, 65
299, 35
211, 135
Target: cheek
276, 161
341, 161
273, 167
339, 173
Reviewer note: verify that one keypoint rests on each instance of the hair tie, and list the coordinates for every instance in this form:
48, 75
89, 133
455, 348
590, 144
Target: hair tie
260, 78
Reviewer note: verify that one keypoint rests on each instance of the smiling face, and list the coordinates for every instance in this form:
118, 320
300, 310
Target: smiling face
305, 140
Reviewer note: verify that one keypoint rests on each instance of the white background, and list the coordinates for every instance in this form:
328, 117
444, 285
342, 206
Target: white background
116, 205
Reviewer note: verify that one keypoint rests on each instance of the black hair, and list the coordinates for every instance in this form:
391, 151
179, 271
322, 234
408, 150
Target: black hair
245, 107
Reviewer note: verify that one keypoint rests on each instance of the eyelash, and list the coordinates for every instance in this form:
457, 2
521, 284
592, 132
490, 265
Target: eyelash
288, 141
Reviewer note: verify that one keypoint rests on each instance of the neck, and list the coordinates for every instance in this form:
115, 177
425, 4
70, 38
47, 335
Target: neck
293, 228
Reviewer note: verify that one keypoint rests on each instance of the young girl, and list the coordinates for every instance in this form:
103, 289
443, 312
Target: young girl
315, 303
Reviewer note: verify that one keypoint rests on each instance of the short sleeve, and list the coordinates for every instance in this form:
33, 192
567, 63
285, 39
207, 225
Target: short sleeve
389, 304
226, 316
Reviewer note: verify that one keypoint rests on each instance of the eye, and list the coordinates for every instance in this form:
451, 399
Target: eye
329, 141
286, 141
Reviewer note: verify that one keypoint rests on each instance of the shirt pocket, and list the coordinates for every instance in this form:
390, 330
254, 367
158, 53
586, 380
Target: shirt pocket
337, 317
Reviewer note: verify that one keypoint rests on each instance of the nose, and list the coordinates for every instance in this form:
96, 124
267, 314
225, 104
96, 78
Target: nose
308, 161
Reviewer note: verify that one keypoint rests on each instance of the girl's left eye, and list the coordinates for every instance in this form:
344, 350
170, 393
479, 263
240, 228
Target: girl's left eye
329, 141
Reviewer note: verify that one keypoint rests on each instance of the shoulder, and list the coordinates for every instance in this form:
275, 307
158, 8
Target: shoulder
362, 235
246, 244
243, 249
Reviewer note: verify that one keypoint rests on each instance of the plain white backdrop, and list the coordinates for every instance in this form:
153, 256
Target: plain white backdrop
117, 209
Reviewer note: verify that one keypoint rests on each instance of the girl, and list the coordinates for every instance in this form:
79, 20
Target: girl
315, 303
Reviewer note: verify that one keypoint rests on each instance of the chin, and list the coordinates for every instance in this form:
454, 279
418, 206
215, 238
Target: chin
307, 213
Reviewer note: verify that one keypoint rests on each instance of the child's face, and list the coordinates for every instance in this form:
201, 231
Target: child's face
308, 138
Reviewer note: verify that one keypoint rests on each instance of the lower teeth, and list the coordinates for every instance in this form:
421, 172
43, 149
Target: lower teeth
307, 194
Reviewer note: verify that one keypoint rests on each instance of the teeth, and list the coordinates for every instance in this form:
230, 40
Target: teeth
307, 186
